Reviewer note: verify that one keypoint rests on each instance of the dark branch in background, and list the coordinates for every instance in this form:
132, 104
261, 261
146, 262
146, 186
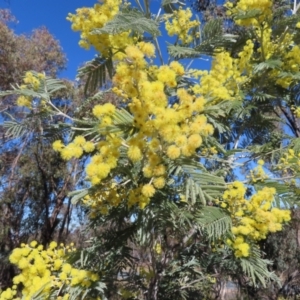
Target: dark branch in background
291, 121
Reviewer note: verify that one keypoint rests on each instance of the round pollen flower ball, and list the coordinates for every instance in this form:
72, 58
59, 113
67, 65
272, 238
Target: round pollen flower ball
58, 145
98, 111
79, 140
177, 67
77, 151
173, 152
52, 245
66, 268
181, 141
147, 48
147, 171
195, 140
109, 108
134, 153
66, 153
88, 147
148, 190
33, 244
260, 162
159, 182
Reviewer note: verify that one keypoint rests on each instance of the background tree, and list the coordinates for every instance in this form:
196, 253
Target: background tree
39, 51
34, 181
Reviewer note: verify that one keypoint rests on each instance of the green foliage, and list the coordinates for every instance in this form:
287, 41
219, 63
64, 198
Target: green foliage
214, 222
133, 20
257, 268
14, 129
94, 73
211, 39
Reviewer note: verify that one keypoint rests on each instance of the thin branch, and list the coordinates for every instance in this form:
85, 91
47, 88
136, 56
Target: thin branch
159, 51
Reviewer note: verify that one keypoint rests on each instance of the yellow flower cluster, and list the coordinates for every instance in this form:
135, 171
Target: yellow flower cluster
104, 160
141, 195
103, 199
258, 173
296, 111
157, 248
274, 46
269, 46
181, 25
291, 65
45, 270
87, 19
227, 75
31, 81
24, 101
74, 149
209, 151
160, 128
176, 129
245, 57
252, 219
280, 46
244, 6
289, 162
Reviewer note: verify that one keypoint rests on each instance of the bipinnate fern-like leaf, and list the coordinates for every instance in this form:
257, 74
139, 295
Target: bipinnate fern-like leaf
52, 85
17, 91
180, 52
211, 45
14, 129
200, 184
252, 13
212, 37
77, 195
132, 20
214, 221
94, 73
74, 292
170, 6
268, 64
256, 268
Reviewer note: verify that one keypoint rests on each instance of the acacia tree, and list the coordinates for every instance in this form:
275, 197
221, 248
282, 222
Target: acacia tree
170, 219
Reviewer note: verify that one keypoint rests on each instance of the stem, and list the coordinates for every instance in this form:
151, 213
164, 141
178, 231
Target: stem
59, 111
80, 129
262, 44
147, 8
158, 14
296, 7
280, 178
158, 50
139, 5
